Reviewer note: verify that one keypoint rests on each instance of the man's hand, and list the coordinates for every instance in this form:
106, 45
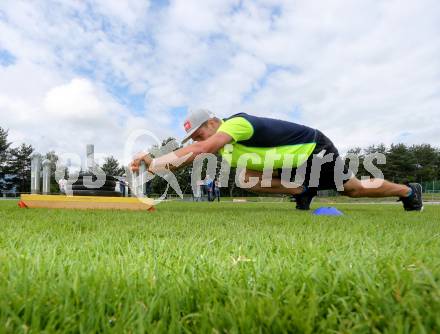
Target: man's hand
138, 159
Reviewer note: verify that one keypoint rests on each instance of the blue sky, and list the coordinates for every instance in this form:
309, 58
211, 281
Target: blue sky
95, 71
6, 58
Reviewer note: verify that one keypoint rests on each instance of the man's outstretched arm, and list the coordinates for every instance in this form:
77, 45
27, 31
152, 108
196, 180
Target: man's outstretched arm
183, 156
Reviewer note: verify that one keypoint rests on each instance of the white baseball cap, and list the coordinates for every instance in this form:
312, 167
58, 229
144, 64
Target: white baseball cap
194, 120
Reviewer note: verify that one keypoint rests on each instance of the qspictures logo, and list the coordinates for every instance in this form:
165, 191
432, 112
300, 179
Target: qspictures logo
293, 170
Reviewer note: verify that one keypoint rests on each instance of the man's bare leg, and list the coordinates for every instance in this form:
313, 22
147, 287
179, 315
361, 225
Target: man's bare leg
275, 186
374, 188
353, 187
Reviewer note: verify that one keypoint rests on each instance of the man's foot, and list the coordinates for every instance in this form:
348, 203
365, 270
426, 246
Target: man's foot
414, 201
304, 199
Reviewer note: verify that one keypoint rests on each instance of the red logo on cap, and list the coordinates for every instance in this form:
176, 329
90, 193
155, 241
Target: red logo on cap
187, 125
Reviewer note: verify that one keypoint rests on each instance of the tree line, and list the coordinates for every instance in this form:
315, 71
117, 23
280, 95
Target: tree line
404, 163
15, 166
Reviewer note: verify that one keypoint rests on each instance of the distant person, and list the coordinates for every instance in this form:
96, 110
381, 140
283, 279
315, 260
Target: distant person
260, 136
122, 185
149, 188
62, 185
208, 185
197, 194
217, 190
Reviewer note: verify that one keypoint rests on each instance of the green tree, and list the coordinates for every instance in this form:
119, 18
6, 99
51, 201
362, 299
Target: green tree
5, 184
4, 147
53, 158
19, 165
375, 149
426, 162
111, 167
357, 151
400, 164
183, 175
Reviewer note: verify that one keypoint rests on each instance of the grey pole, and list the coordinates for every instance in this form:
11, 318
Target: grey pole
90, 157
46, 177
142, 186
35, 173
137, 182
126, 187
131, 180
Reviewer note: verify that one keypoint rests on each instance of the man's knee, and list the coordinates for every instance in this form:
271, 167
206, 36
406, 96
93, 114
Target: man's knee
353, 188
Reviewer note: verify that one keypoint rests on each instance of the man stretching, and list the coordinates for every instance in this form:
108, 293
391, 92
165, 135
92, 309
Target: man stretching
249, 141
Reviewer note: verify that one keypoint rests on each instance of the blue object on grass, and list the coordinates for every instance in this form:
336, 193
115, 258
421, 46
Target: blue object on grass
327, 211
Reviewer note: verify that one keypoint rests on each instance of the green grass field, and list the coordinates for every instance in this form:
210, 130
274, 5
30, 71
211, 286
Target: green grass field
217, 268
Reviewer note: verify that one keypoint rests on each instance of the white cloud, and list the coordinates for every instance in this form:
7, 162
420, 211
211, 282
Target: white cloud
76, 100
128, 12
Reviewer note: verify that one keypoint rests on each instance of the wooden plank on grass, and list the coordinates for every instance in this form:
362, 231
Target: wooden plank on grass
86, 202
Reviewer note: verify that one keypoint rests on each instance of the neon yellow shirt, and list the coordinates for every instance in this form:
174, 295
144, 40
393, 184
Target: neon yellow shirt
253, 138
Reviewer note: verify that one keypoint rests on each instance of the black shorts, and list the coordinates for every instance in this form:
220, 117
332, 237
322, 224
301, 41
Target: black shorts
333, 172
